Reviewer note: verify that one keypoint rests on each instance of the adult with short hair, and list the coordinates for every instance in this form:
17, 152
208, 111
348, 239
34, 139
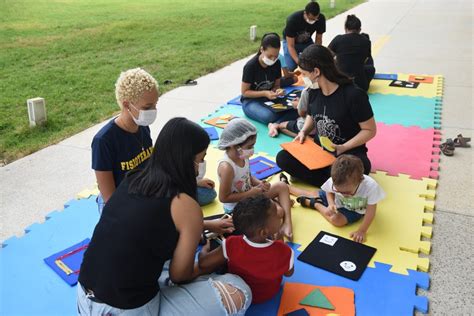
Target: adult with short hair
298, 32
153, 217
261, 79
353, 53
125, 143
340, 112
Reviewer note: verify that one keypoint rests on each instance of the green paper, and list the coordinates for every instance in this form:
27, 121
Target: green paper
317, 299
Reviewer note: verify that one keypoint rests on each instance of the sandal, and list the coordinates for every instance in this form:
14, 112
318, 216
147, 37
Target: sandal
461, 141
190, 82
447, 148
312, 201
284, 178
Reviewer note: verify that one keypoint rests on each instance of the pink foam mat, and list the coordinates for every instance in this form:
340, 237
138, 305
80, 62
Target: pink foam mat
413, 151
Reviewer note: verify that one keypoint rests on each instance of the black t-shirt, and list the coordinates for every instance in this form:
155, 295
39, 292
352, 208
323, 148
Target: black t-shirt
261, 78
297, 27
133, 239
352, 50
119, 151
338, 115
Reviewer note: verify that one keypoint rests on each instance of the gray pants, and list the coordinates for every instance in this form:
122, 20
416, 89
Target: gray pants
197, 298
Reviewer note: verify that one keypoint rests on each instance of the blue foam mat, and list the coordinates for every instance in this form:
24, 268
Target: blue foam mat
406, 110
264, 144
28, 285
378, 291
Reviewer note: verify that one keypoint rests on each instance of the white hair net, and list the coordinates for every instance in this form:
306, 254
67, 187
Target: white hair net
236, 132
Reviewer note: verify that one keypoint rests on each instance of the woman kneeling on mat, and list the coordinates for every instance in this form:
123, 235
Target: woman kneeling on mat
339, 110
261, 83
151, 218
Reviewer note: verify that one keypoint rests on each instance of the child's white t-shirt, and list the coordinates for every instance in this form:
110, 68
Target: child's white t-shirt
369, 192
241, 181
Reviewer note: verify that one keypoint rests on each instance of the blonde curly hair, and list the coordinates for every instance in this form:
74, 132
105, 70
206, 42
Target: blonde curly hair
131, 85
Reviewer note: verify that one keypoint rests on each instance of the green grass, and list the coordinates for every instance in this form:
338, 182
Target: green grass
70, 52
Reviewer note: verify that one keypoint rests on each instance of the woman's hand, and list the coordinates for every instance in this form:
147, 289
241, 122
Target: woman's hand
206, 183
340, 149
271, 95
221, 226
300, 137
280, 92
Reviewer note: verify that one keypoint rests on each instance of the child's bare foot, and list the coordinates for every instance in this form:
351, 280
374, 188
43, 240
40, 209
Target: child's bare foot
287, 231
272, 129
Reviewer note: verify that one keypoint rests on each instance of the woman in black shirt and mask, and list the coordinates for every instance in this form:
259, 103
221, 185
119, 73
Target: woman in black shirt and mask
353, 53
153, 217
339, 110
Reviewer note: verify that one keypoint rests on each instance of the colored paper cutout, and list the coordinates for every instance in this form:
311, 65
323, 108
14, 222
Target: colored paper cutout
262, 168
420, 79
298, 312
386, 76
404, 84
220, 121
293, 293
317, 299
212, 132
326, 143
309, 154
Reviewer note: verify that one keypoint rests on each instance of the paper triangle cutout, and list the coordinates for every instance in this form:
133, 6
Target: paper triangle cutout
317, 299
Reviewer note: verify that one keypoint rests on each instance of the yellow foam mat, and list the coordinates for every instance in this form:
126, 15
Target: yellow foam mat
397, 228
427, 90
86, 193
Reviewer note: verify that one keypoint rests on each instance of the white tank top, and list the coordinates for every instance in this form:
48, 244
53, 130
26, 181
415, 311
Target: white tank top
241, 181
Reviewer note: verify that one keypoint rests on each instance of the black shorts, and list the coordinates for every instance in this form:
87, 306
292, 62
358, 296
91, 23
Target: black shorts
292, 126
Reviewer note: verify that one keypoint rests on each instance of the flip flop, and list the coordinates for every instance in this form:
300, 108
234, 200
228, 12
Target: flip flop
284, 178
447, 148
312, 201
461, 141
191, 82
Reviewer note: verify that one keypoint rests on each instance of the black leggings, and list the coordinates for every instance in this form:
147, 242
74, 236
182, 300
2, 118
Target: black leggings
316, 177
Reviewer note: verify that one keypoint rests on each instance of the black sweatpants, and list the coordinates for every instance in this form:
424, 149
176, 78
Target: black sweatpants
317, 177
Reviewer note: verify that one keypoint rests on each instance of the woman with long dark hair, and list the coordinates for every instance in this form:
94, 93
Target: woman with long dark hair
153, 217
353, 53
261, 83
339, 110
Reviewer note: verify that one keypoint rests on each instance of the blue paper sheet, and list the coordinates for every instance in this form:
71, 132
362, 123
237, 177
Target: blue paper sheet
261, 167
212, 132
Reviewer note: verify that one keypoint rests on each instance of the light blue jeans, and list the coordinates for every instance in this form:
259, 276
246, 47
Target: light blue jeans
205, 195
258, 112
198, 298
290, 63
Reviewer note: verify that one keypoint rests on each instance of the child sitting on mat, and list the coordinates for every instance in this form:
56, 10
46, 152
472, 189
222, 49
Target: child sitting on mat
254, 256
347, 196
236, 182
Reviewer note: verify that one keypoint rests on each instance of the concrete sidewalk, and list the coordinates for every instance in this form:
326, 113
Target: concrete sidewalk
426, 37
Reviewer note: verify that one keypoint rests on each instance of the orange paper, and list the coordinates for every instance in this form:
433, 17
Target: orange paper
340, 297
309, 154
225, 117
421, 79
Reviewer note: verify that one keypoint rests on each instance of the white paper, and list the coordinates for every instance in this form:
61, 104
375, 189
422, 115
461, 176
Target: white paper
348, 266
269, 103
328, 240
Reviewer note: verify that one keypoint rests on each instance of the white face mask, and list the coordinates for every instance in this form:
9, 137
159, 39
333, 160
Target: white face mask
246, 153
145, 117
310, 21
202, 170
310, 84
267, 61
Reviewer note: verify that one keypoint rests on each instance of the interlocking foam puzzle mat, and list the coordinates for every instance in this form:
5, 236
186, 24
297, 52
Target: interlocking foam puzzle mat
407, 110
405, 164
410, 150
378, 291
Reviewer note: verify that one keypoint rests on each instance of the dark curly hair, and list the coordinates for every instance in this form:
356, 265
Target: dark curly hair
251, 214
346, 168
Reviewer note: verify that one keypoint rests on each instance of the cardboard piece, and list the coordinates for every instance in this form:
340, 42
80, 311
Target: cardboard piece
404, 84
220, 121
386, 76
309, 154
339, 255
342, 299
421, 79
317, 299
262, 168
212, 132
67, 262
